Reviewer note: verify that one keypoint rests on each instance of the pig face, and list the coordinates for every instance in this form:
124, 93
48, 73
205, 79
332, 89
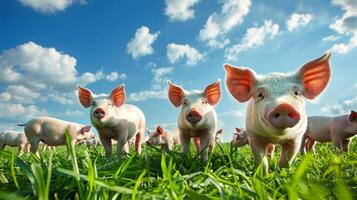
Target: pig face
196, 105
276, 105
102, 107
85, 133
240, 138
156, 137
352, 121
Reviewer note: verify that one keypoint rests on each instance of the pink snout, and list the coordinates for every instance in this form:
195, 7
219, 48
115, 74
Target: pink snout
99, 113
284, 116
193, 117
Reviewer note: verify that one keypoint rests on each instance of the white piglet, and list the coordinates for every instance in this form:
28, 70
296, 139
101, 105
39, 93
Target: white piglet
114, 120
14, 139
276, 108
51, 131
167, 139
198, 118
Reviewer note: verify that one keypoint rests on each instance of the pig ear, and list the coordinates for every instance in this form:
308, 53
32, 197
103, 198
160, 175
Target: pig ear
85, 96
175, 94
314, 76
238, 130
85, 129
240, 82
118, 95
213, 92
219, 131
160, 130
353, 116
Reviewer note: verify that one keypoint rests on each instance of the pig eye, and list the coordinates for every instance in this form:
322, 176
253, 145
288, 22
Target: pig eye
94, 103
260, 95
203, 101
297, 93
185, 102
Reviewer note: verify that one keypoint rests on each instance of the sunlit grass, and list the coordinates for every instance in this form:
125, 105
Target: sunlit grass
230, 173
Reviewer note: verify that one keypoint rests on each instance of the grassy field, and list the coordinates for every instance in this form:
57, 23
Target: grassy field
229, 174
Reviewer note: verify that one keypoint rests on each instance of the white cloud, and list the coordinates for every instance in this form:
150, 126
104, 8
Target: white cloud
13, 110
49, 6
140, 44
113, 76
180, 10
346, 25
234, 113
158, 87
298, 20
218, 25
254, 37
74, 113
176, 52
330, 38
344, 106
19, 94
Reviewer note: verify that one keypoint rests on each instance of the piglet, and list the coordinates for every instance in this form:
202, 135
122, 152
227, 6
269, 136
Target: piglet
276, 107
197, 118
240, 138
113, 119
51, 131
219, 135
14, 139
166, 139
338, 129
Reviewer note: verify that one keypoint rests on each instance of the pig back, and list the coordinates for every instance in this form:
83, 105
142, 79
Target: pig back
319, 128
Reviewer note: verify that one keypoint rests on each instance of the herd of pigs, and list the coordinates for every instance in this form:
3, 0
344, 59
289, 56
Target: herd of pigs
275, 115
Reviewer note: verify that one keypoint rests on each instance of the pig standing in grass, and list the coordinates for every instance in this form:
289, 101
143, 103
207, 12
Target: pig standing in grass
276, 108
338, 129
51, 131
219, 135
114, 120
167, 139
240, 138
14, 139
198, 118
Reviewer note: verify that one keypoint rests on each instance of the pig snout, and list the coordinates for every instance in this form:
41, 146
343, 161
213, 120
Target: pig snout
99, 113
284, 116
193, 116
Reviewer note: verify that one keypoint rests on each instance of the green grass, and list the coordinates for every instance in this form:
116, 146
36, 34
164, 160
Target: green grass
229, 174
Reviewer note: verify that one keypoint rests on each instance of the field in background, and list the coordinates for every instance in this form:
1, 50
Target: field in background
230, 174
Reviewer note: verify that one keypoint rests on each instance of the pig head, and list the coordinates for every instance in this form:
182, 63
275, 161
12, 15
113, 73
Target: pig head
276, 108
197, 118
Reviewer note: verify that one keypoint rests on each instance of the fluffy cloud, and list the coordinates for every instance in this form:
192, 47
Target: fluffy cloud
218, 24
158, 87
234, 113
140, 44
298, 20
254, 37
16, 111
346, 25
113, 76
49, 6
330, 38
180, 10
176, 52
19, 94
344, 106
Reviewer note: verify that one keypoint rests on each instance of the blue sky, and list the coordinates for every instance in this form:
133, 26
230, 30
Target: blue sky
47, 47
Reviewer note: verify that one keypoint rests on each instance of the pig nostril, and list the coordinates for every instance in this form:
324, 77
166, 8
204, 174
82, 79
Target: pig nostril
276, 115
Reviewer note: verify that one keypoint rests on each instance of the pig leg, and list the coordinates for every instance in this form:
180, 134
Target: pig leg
259, 152
270, 150
34, 146
197, 143
126, 148
21, 149
185, 142
303, 146
310, 144
344, 144
138, 138
107, 145
122, 139
289, 151
206, 143
28, 146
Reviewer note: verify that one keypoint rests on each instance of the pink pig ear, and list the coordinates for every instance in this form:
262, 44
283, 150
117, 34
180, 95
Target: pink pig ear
353, 116
160, 130
85, 129
238, 130
219, 131
118, 95
175, 94
213, 92
85, 96
240, 82
315, 75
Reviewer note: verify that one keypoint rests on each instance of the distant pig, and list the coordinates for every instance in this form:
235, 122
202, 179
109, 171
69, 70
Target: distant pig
338, 129
113, 119
51, 131
276, 108
219, 135
167, 139
14, 139
240, 138
198, 118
